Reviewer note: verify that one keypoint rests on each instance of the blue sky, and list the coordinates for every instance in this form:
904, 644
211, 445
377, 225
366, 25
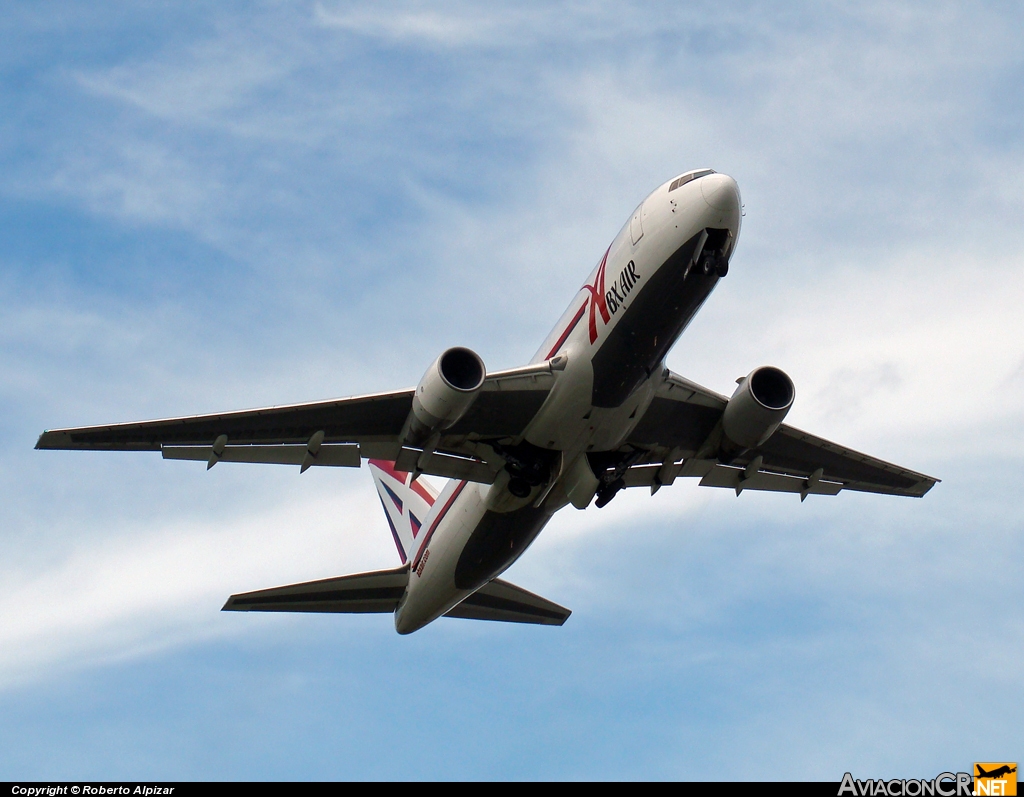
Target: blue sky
216, 206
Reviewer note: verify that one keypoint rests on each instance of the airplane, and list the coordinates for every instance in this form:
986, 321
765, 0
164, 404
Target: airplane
998, 772
594, 412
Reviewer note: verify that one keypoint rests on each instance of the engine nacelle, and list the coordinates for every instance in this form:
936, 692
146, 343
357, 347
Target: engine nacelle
446, 391
758, 407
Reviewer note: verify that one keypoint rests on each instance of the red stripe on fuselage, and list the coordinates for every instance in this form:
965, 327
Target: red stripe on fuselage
597, 299
568, 331
437, 521
597, 303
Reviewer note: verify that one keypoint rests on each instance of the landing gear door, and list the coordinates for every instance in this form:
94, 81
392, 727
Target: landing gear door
636, 227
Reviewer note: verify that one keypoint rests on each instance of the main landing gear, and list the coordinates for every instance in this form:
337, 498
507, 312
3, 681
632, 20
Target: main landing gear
527, 465
607, 491
610, 468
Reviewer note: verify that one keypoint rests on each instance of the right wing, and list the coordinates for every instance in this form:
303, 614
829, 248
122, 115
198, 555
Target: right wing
337, 432
683, 419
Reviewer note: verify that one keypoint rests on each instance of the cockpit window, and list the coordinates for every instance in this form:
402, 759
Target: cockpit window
684, 179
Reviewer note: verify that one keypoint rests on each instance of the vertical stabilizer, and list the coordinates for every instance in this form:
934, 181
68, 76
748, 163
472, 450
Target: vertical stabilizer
406, 502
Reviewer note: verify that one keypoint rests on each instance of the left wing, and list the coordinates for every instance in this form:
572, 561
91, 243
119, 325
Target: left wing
338, 432
681, 424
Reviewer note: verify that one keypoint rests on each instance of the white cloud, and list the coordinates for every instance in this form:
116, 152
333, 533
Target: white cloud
878, 265
210, 83
120, 592
463, 27
910, 350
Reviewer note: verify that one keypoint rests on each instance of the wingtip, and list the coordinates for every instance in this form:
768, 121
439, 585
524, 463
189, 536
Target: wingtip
922, 488
53, 440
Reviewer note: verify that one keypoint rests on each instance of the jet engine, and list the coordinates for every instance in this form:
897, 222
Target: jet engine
445, 392
758, 407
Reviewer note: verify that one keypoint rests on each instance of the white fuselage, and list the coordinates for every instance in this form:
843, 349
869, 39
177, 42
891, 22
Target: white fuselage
614, 336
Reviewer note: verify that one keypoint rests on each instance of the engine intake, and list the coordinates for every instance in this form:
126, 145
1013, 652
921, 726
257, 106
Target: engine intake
446, 392
758, 407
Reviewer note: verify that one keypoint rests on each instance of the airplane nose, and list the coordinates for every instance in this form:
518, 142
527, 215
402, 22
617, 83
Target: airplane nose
720, 191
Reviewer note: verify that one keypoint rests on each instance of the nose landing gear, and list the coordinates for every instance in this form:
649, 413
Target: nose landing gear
714, 263
713, 259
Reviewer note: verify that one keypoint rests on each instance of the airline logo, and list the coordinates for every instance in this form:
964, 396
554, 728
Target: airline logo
600, 299
995, 779
607, 301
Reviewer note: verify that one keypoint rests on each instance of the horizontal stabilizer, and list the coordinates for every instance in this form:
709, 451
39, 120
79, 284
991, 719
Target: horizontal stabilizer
508, 603
380, 591
376, 592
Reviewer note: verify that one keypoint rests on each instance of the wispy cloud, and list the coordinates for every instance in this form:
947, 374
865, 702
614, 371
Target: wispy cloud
300, 201
135, 589
465, 26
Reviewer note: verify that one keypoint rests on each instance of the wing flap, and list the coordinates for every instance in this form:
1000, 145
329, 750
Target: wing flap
505, 602
336, 455
736, 479
339, 456
361, 593
445, 465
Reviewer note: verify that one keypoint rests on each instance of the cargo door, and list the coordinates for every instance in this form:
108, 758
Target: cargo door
636, 225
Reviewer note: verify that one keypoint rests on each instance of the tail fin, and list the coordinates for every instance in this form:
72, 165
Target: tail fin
406, 503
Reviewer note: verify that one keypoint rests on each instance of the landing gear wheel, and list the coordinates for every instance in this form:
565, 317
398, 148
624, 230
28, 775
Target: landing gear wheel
608, 491
520, 488
707, 265
722, 266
